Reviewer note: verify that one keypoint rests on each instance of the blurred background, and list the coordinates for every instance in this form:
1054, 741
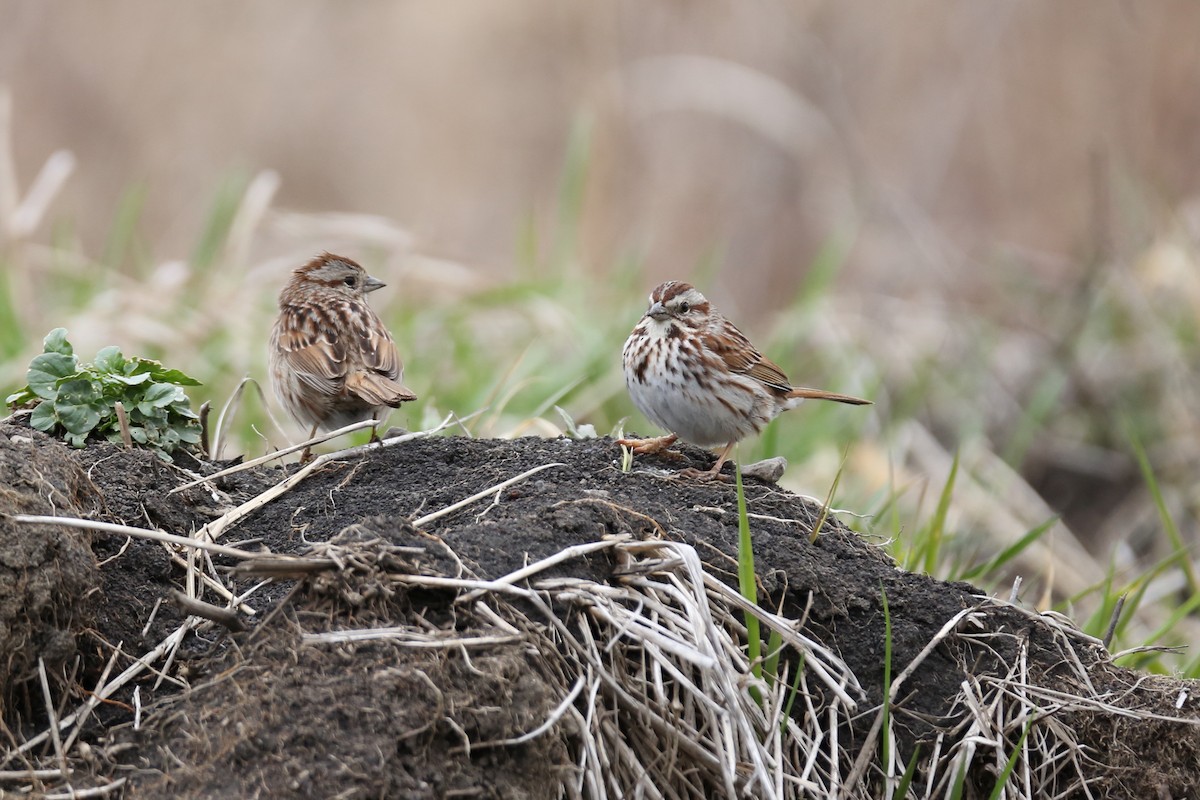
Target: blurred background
983, 215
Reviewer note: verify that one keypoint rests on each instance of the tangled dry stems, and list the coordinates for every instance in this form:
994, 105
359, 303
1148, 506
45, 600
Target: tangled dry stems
655, 694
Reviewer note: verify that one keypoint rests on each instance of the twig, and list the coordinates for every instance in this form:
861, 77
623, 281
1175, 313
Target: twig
324, 437
59, 753
546, 563
278, 454
213, 530
112, 660
205, 410
222, 616
131, 672
1112, 622
220, 588
550, 722
123, 424
450, 509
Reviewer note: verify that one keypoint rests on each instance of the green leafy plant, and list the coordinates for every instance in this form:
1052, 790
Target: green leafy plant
82, 399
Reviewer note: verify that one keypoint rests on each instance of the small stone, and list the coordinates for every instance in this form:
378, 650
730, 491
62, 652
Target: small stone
769, 469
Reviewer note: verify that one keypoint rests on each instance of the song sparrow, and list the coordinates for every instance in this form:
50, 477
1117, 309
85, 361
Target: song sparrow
690, 371
333, 361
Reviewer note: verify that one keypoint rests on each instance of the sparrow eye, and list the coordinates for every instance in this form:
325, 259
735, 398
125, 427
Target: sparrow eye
350, 281
684, 308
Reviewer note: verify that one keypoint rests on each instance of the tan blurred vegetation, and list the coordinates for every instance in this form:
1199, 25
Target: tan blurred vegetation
947, 134
1016, 186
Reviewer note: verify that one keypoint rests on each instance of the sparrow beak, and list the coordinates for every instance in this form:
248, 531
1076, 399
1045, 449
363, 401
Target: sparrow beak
372, 284
658, 311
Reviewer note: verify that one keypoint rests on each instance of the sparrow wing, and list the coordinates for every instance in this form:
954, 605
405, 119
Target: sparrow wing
378, 377
312, 349
741, 356
375, 344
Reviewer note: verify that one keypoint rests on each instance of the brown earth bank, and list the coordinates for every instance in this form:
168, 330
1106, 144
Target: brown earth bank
396, 654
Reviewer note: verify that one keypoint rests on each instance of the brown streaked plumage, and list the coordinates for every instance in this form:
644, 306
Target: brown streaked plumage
692, 372
333, 361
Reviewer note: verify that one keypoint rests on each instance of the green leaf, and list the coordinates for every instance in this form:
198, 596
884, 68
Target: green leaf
82, 397
160, 373
182, 410
160, 395
176, 377
43, 417
56, 342
78, 406
20, 398
110, 360
189, 435
117, 379
46, 370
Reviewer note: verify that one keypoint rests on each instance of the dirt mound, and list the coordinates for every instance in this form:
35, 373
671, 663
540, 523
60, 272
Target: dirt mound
571, 631
47, 572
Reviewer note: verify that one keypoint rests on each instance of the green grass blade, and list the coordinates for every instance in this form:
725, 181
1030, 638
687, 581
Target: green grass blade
1007, 554
572, 189
910, 772
122, 237
824, 269
960, 778
774, 651
1002, 779
937, 526
837, 478
1184, 609
1032, 421
793, 690
746, 581
1181, 554
220, 221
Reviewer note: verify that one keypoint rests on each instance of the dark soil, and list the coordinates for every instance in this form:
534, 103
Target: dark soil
267, 714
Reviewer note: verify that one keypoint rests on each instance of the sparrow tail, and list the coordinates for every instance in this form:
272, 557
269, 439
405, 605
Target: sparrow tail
821, 394
378, 390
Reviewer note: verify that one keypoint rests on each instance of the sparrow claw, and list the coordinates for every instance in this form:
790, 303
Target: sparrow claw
705, 475
648, 446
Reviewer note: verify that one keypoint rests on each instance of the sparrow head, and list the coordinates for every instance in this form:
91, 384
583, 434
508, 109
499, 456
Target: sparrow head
678, 301
336, 274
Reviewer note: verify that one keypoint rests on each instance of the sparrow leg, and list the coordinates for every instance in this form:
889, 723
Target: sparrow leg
716, 468
375, 427
306, 456
713, 473
649, 446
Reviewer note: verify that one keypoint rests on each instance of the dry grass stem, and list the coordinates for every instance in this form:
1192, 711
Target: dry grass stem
59, 753
213, 530
278, 454
140, 533
83, 794
406, 637
421, 522
30, 774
